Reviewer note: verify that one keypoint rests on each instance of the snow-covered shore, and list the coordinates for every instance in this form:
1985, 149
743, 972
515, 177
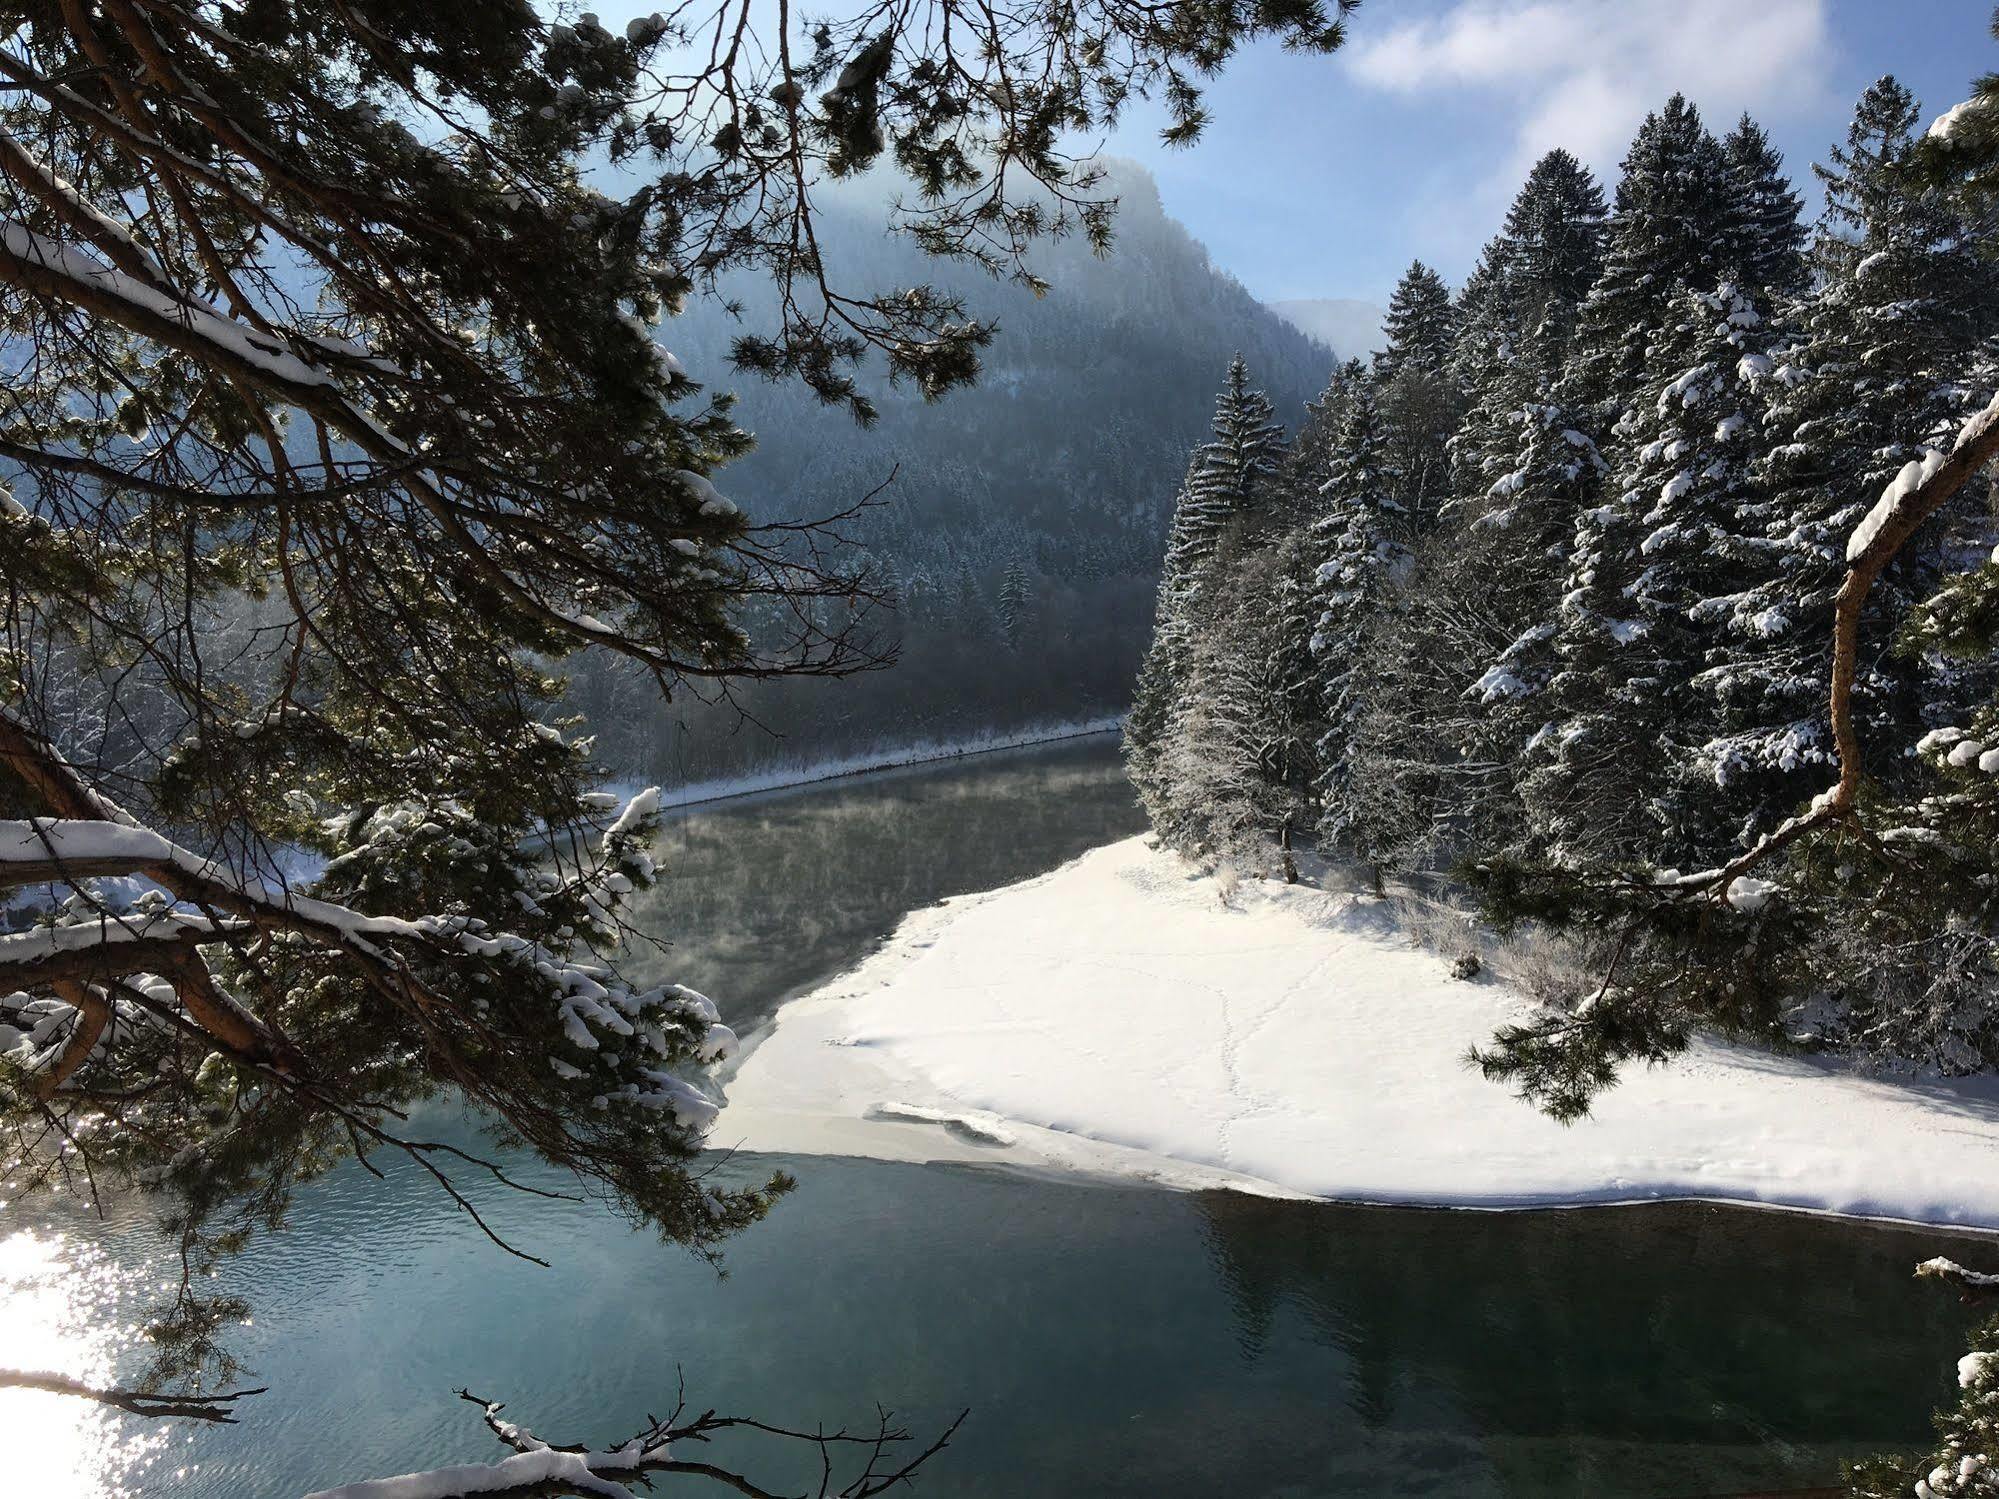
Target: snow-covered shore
1116, 1017
887, 757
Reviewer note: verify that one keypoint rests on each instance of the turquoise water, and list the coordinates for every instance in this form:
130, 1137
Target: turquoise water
1107, 1340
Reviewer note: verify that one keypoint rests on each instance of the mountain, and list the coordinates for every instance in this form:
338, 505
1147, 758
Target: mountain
1023, 529
1351, 329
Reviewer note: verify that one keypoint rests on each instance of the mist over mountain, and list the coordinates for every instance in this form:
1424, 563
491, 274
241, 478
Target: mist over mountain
1023, 528
1350, 328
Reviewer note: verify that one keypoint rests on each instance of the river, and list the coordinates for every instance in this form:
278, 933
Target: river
1107, 1340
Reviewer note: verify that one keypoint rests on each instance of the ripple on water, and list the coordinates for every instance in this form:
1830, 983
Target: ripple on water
66, 1306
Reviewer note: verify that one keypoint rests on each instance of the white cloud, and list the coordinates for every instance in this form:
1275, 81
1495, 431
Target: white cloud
1583, 73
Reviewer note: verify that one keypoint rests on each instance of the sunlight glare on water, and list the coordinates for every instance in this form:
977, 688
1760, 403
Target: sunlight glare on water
61, 1302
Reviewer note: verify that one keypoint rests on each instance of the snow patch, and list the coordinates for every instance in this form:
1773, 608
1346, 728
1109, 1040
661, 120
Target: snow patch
1750, 895
1118, 1019
985, 1128
1946, 125
1971, 1368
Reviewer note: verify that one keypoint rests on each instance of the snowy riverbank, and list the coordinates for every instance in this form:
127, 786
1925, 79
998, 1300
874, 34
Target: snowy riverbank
896, 757
1114, 1017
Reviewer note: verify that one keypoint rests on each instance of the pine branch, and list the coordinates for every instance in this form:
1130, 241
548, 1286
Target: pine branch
213, 1408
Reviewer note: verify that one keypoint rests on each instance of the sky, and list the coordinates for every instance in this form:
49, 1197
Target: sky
1326, 176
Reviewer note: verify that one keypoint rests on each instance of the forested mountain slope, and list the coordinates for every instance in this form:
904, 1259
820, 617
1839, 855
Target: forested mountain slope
1023, 529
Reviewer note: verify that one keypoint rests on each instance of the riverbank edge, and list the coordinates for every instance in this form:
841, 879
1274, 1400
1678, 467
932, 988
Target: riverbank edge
775, 1115
870, 762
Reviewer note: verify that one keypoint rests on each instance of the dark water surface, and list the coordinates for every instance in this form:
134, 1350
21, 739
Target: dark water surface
1109, 1340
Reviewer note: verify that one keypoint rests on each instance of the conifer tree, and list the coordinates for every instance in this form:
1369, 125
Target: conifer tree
1686, 478
1418, 397
1015, 594
1624, 767
1668, 231
1234, 768
1162, 672
1480, 364
1518, 314
1765, 257
1508, 569
1420, 327
1515, 346
1865, 919
1551, 248
1361, 556
1230, 480
1295, 722
1308, 460
1465, 662
1229, 484
1300, 488
1873, 378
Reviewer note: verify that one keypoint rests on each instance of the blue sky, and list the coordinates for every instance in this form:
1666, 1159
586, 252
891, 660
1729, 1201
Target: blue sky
1324, 177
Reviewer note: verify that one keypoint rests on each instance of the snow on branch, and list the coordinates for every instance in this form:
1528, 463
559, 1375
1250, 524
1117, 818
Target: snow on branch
100, 836
99, 983
1972, 1285
55, 266
536, 1467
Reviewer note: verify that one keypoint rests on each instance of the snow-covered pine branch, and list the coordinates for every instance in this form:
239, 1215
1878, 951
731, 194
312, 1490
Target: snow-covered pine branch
864, 1465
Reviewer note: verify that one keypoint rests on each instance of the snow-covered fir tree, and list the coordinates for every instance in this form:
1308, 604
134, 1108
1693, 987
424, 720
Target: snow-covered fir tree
1416, 391
1234, 766
1230, 482
1669, 229
1015, 596
1308, 460
1447, 715
1481, 359
1230, 479
1686, 478
1624, 765
1361, 556
1421, 324
1518, 313
1506, 569
1765, 256
1678, 210
1508, 483
1877, 372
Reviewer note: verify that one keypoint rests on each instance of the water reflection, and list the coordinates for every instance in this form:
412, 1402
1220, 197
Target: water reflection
1662, 1350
